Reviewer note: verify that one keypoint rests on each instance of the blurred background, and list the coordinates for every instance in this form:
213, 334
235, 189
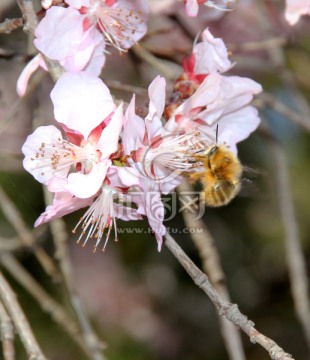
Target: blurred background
141, 303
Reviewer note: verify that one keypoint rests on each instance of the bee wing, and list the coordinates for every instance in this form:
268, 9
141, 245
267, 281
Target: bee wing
249, 188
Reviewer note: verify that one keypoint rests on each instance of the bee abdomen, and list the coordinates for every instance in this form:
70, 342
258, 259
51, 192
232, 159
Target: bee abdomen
221, 193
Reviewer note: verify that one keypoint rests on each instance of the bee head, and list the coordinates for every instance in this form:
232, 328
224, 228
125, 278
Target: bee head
213, 150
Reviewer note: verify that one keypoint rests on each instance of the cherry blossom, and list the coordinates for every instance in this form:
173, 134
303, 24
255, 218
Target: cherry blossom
295, 9
206, 99
84, 107
100, 218
84, 163
61, 35
74, 35
157, 156
103, 210
122, 22
221, 101
160, 156
208, 56
146, 195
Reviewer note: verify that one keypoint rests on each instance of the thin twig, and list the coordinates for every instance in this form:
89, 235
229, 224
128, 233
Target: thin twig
229, 310
9, 25
171, 71
259, 45
211, 265
47, 303
7, 334
60, 237
269, 100
118, 85
15, 243
29, 15
12, 214
21, 324
11, 115
294, 256
6, 52
10, 244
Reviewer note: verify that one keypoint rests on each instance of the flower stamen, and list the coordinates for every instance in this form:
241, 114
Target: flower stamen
118, 25
58, 157
99, 219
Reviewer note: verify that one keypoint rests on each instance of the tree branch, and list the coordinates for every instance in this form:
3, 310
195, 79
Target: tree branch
47, 303
294, 255
7, 334
269, 100
211, 265
22, 326
26, 236
29, 15
60, 237
229, 310
9, 25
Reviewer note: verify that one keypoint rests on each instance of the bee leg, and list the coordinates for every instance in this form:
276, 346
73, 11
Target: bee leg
200, 156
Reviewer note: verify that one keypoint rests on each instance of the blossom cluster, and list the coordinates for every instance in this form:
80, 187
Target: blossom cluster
104, 156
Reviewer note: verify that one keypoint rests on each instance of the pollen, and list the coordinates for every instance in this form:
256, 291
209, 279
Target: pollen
59, 157
119, 26
99, 220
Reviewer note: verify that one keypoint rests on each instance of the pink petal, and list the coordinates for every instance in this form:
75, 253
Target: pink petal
59, 33
97, 61
126, 213
81, 102
295, 9
64, 203
210, 55
92, 45
191, 8
46, 3
57, 184
234, 93
29, 69
123, 177
141, 9
157, 95
204, 95
150, 204
108, 142
41, 169
134, 129
155, 213
87, 185
237, 126
78, 3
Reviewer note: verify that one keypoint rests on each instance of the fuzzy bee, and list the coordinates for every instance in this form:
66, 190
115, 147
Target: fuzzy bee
221, 175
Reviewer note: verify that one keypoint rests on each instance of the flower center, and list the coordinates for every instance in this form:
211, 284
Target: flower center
175, 152
119, 25
56, 159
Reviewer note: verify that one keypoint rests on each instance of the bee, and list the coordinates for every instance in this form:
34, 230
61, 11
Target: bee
221, 175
